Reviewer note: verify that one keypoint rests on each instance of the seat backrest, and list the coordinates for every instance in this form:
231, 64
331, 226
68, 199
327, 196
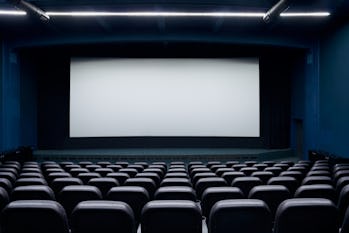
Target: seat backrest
6, 184
215, 194
272, 195
171, 216
245, 184
86, 177
119, 176
263, 175
102, 217
316, 191
243, 216
33, 192
230, 176
146, 183
4, 198
306, 215
30, 181
343, 202
104, 171
71, 195
136, 197
59, 183
317, 180
152, 175
175, 193
34, 216
176, 182
205, 183
290, 183
104, 184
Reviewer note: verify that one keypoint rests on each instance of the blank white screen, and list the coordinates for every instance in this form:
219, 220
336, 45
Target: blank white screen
111, 97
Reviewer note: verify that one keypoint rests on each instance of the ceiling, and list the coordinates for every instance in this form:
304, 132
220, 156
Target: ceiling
27, 26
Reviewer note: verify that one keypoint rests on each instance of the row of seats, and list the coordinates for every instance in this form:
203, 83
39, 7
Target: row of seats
57, 177
308, 215
137, 184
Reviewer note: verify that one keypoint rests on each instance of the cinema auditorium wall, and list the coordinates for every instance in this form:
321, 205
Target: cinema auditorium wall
20, 117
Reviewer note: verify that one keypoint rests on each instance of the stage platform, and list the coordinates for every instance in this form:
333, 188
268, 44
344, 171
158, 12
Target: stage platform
166, 154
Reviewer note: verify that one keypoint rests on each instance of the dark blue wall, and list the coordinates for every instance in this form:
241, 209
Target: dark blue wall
334, 92
19, 123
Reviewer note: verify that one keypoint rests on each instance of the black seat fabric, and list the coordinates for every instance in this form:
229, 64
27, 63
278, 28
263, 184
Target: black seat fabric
175, 182
59, 183
136, 197
34, 216
30, 181
272, 195
71, 195
245, 184
290, 183
317, 180
243, 216
215, 194
119, 176
230, 176
102, 217
104, 184
86, 177
6, 184
171, 217
343, 202
306, 215
146, 183
316, 191
33, 192
4, 198
205, 183
175, 193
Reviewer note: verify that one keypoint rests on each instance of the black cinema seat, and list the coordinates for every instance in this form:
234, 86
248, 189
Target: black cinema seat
86, 177
343, 202
289, 182
317, 180
54, 175
230, 176
32, 192
104, 184
31, 175
146, 183
104, 171
152, 175
34, 216
200, 175
71, 195
4, 198
102, 217
119, 176
6, 184
8, 175
263, 175
175, 182
240, 216
171, 216
215, 194
306, 215
205, 183
136, 197
175, 193
59, 183
30, 181
316, 191
272, 195
245, 184
275, 170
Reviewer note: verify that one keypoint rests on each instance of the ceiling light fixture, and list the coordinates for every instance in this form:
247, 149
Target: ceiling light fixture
12, 12
157, 14
30, 9
305, 14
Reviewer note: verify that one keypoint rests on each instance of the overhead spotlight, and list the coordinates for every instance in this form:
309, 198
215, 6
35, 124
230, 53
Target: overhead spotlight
30, 9
275, 11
